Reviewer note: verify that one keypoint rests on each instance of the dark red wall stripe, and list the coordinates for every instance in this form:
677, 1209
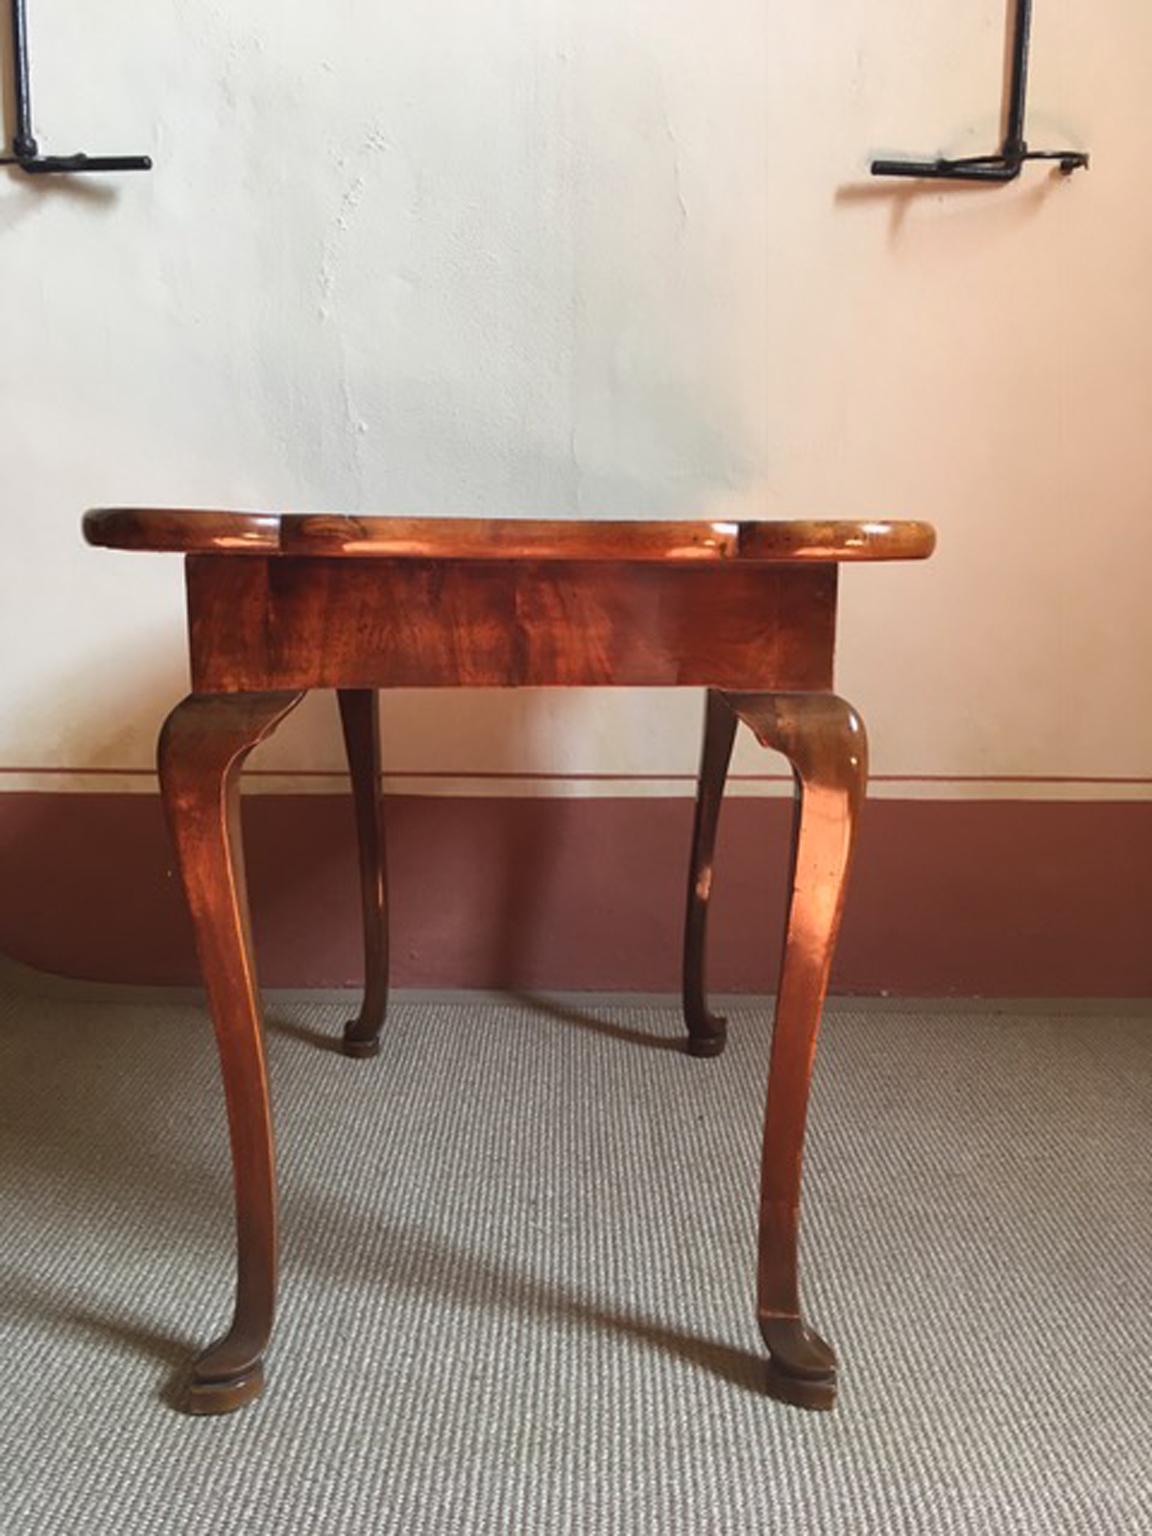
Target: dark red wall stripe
962, 898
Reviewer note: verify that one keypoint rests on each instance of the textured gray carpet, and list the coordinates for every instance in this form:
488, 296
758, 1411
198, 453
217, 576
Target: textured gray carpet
517, 1286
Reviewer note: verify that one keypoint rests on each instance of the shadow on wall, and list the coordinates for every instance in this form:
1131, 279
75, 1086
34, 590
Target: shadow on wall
93, 193
903, 197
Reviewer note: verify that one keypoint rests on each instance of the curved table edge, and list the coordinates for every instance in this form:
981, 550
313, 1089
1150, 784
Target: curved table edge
336, 536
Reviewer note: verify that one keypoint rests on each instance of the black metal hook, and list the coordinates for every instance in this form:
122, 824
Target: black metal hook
25, 151
1007, 164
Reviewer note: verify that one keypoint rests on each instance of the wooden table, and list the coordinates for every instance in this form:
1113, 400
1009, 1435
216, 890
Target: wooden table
281, 604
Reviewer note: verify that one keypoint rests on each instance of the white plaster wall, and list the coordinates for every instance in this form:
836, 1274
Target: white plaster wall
607, 258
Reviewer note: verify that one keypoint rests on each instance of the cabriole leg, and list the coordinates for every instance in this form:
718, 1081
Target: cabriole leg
825, 742
360, 718
202, 750
706, 1030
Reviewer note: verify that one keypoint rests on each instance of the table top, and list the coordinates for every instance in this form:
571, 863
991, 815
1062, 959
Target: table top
328, 535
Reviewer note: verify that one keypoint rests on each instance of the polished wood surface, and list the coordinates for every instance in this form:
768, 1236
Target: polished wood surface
178, 531
825, 741
707, 1031
202, 749
273, 624
360, 719
358, 604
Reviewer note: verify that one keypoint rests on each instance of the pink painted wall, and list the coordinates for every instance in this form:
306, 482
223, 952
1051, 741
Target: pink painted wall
951, 899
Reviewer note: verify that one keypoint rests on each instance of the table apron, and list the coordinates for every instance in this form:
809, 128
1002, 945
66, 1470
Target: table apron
297, 623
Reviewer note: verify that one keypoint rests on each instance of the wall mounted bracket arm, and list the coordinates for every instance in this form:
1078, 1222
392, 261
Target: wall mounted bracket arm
25, 150
1014, 153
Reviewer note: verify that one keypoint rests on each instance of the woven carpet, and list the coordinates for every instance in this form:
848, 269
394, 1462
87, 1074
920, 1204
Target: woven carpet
518, 1259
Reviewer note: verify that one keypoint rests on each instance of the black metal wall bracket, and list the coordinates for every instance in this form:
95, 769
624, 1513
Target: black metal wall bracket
1014, 153
25, 150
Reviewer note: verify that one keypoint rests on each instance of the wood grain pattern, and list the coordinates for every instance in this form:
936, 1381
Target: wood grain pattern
268, 625
331, 535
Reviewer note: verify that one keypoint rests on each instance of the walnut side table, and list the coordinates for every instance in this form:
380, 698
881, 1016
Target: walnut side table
281, 604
